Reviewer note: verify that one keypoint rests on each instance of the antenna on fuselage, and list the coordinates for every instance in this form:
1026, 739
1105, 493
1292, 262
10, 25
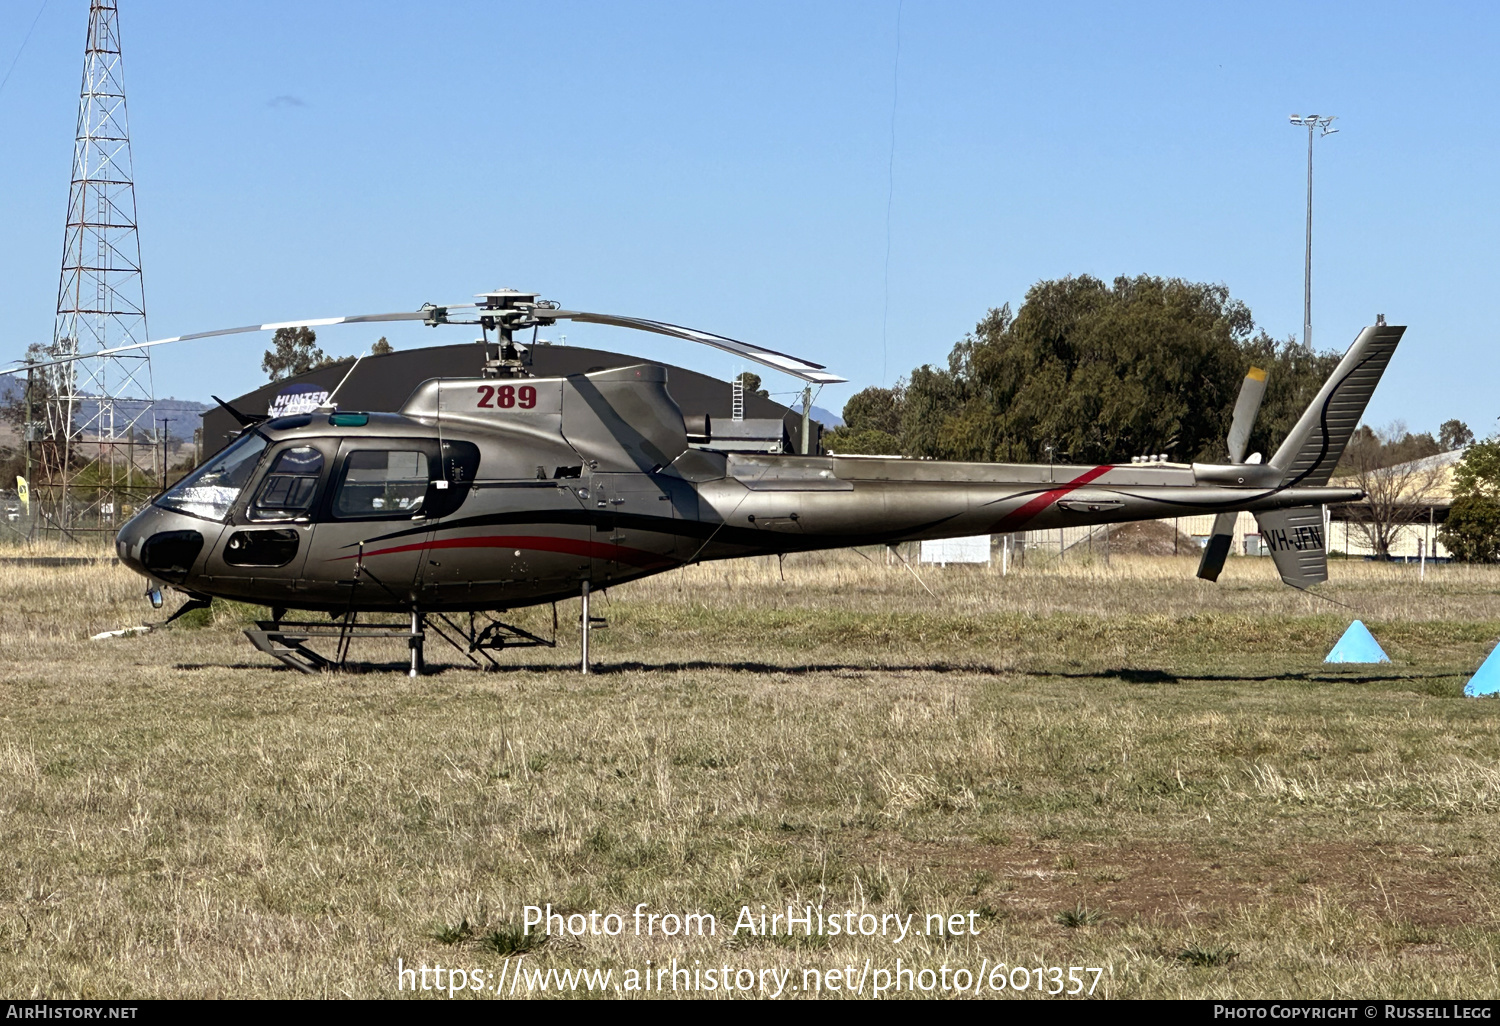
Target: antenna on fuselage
328, 404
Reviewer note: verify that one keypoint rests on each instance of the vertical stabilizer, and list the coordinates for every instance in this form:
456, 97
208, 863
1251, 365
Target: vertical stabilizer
1313, 448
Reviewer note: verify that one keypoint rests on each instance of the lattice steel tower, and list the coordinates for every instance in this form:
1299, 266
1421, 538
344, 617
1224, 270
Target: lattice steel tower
96, 449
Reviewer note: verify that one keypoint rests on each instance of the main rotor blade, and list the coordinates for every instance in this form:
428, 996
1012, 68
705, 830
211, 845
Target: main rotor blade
311, 322
796, 367
1252, 391
799, 368
1217, 549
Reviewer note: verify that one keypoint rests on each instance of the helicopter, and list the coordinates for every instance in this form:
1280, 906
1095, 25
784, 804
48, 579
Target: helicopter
488, 494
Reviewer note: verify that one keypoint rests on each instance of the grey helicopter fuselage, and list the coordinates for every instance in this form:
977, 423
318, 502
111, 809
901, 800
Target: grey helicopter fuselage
499, 493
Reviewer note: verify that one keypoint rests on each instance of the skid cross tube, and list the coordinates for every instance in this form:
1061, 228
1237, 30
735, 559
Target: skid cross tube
484, 638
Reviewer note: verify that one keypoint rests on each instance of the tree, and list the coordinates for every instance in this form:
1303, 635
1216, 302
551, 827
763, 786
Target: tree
1092, 372
1400, 482
1472, 530
382, 348
42, 385
751, 383
876, 409
1454, 434
293, 351
872, 423
13, 407
1294, 375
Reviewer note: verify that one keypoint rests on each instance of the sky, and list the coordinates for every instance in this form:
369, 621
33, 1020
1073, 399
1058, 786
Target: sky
800, 175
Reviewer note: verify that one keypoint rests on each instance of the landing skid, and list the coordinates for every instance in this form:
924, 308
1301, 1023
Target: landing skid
483, 638
288, 640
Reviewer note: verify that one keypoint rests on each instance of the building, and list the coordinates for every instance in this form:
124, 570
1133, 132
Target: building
1424, 495
382, 384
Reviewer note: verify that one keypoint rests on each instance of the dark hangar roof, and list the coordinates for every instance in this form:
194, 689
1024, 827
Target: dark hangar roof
381, 384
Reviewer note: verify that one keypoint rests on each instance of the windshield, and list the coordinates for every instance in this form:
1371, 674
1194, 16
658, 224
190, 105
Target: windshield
210, 490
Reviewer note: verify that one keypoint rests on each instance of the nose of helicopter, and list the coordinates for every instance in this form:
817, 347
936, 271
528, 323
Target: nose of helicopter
161, 545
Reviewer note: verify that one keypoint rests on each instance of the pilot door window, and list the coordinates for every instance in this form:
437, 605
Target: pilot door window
287, 492
382, 484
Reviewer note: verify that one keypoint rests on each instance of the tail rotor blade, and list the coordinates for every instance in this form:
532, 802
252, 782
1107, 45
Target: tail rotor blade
1217, 549
1252, 391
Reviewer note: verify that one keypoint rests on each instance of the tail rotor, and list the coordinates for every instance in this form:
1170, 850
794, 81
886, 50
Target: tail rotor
1246, 407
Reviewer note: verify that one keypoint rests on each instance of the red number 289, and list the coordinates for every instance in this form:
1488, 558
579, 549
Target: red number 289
505, 397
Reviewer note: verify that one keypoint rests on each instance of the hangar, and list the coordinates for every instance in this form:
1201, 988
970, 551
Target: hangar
382, 384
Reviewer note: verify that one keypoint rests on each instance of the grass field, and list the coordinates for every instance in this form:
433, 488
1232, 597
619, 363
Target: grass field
1121, 767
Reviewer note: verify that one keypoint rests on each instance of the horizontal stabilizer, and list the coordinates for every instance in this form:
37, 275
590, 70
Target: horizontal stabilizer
1297, 542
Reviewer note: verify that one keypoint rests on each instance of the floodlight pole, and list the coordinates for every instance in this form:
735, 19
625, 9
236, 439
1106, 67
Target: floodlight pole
1311, 122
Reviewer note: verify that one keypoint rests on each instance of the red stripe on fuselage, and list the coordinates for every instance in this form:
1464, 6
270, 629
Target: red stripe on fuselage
534, 543
1018, 518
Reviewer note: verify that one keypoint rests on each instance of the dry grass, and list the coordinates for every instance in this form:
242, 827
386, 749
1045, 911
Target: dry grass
1119, 767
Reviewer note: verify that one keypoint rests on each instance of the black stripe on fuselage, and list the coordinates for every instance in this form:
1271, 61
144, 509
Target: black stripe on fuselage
699, 530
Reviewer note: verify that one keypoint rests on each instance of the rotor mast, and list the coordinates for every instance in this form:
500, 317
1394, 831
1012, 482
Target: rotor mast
505, 312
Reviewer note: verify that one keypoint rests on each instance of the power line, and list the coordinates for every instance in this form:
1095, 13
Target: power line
890, 196
22, 50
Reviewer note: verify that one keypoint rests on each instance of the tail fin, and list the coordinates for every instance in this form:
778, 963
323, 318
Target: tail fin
1298, 543
1314, 446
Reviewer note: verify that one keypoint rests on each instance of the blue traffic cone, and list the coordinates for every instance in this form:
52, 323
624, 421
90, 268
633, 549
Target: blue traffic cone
1486, 679
1358, 645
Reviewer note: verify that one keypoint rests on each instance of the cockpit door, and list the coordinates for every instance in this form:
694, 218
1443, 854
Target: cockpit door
264, 544
374, 519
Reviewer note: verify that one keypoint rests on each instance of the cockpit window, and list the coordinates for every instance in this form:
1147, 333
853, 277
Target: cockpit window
212, 489
382, 483
289, 487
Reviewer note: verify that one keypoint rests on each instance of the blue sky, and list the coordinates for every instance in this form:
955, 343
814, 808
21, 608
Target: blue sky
726, 166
